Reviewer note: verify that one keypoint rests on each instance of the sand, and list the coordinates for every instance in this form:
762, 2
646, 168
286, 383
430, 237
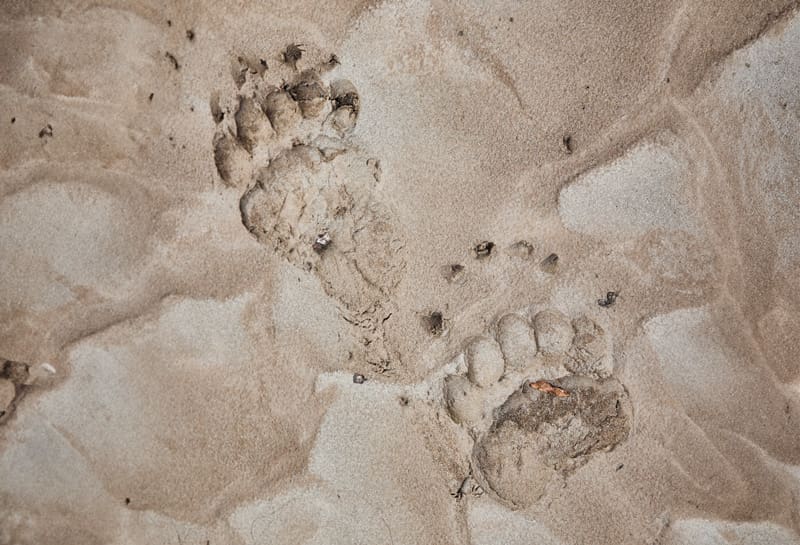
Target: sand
438, 273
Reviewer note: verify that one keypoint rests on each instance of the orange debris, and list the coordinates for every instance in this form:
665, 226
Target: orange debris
544, 386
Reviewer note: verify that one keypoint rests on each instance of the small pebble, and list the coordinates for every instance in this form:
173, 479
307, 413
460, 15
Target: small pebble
483, 249
611, 297
321, 242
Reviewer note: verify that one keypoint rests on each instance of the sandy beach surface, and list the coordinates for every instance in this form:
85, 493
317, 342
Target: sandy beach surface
400, 272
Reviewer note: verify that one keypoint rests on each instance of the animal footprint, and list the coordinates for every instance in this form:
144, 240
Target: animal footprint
288, 146
537, 397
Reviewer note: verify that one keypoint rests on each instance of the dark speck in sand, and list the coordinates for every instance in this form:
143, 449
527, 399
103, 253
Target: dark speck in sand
568, 143
549, 263
321, 243
484, 249
175, 64
434, 322
611, 297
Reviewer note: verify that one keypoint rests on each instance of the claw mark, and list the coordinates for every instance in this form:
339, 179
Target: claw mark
468, 486
175, 64
292, 54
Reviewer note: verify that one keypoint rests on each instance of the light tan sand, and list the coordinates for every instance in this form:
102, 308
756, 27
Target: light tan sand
180, 365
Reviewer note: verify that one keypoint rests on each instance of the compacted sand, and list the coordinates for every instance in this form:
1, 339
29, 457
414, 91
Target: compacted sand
400, 272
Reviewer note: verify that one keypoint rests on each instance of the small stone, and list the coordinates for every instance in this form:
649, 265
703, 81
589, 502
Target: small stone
553, 332
321, 243
611, 297
358, 378
485, 363
483, 249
